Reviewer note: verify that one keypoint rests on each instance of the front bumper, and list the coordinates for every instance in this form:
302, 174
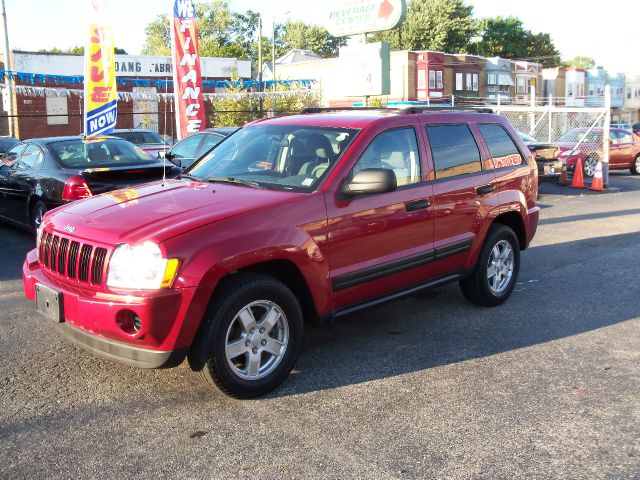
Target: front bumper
91, 319
121, 352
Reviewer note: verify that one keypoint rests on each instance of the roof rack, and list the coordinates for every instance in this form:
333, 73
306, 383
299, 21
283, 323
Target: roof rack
439, 108
345, 109
407, 110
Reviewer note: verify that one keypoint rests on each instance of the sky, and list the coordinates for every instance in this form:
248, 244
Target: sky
606, 32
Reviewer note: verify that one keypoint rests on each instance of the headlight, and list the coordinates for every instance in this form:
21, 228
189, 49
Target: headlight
568, 153
140, 267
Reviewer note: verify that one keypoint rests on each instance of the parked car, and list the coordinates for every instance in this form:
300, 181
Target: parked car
7, 143
44, 173
635, 128
295, 219
587, 145
623, 126
148, 140
546, 155
185, 152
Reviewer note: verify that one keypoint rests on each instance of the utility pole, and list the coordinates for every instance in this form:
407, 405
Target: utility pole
260, 86
273, 59
7, 66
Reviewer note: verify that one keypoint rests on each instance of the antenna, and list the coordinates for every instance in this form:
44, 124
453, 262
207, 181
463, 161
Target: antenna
164, 157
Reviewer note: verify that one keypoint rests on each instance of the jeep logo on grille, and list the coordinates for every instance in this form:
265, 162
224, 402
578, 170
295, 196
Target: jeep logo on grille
69, 228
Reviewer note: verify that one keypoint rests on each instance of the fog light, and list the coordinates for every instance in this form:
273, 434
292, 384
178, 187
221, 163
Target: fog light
129, 322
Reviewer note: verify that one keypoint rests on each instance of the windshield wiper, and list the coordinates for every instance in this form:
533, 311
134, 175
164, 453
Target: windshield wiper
234, 181
190, 177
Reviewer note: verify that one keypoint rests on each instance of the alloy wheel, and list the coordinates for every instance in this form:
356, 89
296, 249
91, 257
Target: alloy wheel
500, 267
256, 340
590, 165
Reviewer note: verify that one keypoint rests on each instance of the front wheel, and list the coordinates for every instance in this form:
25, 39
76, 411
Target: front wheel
250, 338
496, 272
635, 169
590, 165
37, 212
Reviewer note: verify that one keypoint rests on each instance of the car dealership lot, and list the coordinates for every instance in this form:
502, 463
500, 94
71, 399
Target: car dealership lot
432, 386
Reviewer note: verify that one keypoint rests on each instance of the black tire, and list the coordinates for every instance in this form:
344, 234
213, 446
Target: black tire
476, 287
635, 168
592, 160
208, 356
38, 209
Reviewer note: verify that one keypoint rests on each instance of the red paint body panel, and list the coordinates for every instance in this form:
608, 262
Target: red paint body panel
217, 229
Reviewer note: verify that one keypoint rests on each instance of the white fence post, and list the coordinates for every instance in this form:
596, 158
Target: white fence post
605, 135
550, 108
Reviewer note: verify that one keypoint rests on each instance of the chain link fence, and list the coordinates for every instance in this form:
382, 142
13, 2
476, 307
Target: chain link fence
579, 134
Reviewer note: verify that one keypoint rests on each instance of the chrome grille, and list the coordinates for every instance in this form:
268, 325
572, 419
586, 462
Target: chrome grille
77, 261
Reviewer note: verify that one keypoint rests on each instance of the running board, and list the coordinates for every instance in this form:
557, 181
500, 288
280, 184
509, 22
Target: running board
379, 301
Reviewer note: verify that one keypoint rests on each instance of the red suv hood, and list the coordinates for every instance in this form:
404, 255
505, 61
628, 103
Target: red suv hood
157, 211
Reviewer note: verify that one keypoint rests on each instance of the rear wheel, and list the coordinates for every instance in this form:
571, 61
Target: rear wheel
37, 212
635, 169
250, 338
496, 272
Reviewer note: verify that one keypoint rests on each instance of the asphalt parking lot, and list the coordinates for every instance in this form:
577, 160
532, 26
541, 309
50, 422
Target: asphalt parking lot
545, 386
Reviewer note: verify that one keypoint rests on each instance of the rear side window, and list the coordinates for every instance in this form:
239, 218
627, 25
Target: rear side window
31, 159
501, 146
454, 150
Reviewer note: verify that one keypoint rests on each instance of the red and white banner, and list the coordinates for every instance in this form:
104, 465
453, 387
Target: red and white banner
187, 76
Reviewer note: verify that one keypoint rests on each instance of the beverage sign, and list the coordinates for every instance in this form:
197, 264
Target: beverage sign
187, 75
100, 95
350, 17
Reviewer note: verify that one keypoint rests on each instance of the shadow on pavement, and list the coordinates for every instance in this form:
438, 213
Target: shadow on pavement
14, 245
440, 328
588, 216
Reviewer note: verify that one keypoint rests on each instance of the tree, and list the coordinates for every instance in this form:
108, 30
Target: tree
311, 37
222, 33
506, 37
581, 62
442, 25
542, 49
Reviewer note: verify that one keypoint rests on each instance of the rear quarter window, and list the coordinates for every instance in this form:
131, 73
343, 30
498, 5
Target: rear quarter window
501, 146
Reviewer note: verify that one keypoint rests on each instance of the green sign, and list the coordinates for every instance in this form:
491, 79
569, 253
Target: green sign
351, 17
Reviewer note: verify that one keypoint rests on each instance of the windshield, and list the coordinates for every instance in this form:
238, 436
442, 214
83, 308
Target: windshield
99, 153
282, 157
140, 138
574, 136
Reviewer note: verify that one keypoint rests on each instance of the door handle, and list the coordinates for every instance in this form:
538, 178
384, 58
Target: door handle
483, 190
417, 205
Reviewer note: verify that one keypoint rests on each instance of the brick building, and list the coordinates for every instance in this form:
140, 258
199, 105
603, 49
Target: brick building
48, 100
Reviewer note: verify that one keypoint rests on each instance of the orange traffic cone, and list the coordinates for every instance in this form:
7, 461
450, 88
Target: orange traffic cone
578, 179
597, 178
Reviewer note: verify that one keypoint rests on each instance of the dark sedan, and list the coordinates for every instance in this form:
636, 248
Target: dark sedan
185, 152
148, 140
7, 143
44, 173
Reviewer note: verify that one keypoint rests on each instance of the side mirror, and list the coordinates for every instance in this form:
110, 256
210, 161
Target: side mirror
371, 180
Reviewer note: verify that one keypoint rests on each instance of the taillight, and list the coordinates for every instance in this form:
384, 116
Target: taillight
76, 188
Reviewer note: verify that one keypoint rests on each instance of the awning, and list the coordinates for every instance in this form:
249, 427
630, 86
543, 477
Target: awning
505, 80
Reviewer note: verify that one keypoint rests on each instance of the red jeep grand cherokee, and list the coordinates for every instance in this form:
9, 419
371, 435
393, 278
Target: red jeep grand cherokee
302, 218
